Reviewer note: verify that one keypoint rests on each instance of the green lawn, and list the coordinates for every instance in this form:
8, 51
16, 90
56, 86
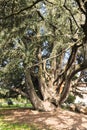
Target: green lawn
6, 125
15, 126
22, 103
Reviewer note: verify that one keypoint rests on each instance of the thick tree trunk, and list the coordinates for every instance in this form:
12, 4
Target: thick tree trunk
33, 97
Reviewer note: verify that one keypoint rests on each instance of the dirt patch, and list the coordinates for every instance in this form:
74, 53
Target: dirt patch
58, 120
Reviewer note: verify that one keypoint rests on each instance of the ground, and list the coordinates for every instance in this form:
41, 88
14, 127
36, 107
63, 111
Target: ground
57, 120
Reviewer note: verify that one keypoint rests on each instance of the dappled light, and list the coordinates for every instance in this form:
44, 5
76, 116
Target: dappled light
58, 120
43, 64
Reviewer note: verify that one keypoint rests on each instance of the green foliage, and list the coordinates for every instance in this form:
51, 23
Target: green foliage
17, 103
25, 27
71, 98
16, 126
7, 126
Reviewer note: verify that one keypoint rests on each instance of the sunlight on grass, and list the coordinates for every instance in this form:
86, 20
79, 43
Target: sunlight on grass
7, 126
16, 103
16, 127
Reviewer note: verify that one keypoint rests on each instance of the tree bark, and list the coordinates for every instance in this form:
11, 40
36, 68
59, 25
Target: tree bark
33, 97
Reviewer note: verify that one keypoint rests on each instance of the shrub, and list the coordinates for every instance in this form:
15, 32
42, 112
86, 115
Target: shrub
71, 98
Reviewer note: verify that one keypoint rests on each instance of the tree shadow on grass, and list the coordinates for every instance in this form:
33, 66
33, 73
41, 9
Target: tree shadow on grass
58, 120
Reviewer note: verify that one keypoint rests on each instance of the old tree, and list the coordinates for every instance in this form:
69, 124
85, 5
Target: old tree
43, 45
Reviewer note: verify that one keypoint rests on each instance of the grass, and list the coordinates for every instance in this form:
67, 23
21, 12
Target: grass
8, 125
16, 104
15, 126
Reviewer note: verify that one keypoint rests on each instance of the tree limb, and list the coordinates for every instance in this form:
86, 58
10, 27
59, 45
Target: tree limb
63, 51
79, 68
19, 91
68, 65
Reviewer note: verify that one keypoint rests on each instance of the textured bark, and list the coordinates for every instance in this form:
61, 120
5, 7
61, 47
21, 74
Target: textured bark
33, 97
65, 91
55, 85
46, 79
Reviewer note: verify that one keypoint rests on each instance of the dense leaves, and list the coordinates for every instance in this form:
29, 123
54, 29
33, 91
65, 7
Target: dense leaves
43, 45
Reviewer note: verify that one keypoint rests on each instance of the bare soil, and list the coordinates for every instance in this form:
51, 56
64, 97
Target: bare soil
57, 120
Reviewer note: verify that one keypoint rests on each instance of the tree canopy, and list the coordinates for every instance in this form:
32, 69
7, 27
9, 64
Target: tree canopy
43, 45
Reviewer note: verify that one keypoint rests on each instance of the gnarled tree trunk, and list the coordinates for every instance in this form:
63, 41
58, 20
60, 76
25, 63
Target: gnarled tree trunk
34, 98
54, 84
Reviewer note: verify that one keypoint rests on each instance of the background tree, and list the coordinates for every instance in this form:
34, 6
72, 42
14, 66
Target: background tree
41, 43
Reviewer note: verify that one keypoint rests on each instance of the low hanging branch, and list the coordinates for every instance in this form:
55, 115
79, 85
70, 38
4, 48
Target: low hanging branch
19, 91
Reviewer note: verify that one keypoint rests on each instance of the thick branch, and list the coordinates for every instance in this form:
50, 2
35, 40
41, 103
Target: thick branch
68, 65
20, 92
79, 68
69, 78
63, 51
71, 57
